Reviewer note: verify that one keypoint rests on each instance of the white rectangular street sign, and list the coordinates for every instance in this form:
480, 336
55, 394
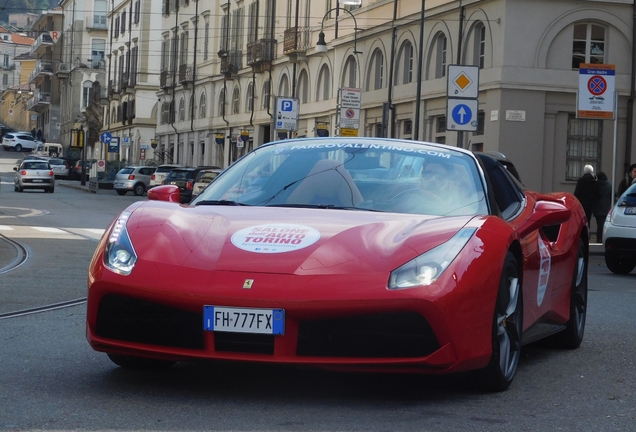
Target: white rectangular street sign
350, 97
350, 118
286, 114
463, 81
596, 91
461, 114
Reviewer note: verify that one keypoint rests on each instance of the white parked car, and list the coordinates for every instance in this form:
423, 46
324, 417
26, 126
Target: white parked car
619, 234
19, 141
160, 174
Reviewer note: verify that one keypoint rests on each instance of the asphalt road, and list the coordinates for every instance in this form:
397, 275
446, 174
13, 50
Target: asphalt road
50, 379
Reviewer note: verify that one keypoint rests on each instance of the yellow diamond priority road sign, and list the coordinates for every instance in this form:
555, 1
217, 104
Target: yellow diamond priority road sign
463, 81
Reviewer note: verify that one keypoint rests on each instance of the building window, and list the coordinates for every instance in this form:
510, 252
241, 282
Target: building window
479, 48
303, 87
5, 79
87, 93
266, 93
440, 124
283, 88
583, 146
323, 90
206, 38
481, 118
588, 45
440, 60
137, 11
404, 73
222, 103
182, 110
202, 109
375, 75
249, 101
408, 127
236, 100
350, 77
5, 60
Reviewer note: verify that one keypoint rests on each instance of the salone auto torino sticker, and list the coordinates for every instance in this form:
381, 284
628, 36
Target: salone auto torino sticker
275, 238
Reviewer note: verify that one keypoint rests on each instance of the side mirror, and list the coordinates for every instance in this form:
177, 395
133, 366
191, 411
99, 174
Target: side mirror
545, 213
168, 193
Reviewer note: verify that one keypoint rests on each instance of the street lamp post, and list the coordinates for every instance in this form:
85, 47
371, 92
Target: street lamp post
321, 45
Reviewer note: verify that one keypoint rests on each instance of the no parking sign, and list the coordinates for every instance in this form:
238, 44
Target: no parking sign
596, 91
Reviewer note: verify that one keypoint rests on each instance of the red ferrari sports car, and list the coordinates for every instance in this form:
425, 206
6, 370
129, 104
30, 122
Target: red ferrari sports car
355, 254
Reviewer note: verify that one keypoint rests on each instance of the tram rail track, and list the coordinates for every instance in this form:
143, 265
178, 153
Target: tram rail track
45, 308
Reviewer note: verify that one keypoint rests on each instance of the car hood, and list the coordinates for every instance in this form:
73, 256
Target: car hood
283, 240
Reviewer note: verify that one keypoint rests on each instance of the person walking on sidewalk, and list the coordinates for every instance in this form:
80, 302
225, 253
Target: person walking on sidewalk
628, 180
603, 204
587, 191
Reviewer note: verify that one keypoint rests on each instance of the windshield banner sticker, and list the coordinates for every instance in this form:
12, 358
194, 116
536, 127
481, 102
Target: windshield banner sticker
275, 238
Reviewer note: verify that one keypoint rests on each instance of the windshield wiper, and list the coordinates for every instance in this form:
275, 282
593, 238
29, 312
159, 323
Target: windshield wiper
220, 202
323, 206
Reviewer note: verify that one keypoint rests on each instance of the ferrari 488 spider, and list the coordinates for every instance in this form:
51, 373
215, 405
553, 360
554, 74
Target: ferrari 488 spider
355, 254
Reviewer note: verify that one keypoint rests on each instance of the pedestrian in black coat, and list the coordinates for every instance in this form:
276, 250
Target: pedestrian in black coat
603, 204
587, 191
627, 181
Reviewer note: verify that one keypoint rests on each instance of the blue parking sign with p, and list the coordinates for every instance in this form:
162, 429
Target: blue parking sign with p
287, 105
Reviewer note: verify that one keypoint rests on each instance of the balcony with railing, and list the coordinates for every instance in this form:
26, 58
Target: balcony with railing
261, 51
231, 62
186, 74
62, 70
42, 68
39, 101
166, 79
297, 40
113, 89
41, 43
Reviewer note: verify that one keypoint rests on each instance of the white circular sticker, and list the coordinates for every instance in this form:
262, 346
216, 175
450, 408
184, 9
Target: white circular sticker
275, 238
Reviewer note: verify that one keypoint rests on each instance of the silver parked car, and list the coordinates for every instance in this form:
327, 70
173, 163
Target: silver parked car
133, 178
60, 168
34, 174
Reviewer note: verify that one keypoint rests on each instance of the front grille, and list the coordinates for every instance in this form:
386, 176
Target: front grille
134, 320
244, 343
372, 336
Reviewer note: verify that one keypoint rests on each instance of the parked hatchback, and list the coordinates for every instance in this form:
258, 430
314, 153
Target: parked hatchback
34, 174
184, 178
133, 178
619, 234
204, 178
60, 168
160, 174
19, 141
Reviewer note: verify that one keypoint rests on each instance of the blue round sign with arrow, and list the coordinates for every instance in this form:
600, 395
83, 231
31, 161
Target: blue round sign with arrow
462, 114
105, 137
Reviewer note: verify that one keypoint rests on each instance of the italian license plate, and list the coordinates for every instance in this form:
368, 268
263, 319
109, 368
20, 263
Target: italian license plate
630, 211
244, 320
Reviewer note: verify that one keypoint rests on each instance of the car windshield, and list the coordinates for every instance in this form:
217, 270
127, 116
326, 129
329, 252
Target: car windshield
56, 162
35, 165
179, 174
355, 174
207, 176
126, 171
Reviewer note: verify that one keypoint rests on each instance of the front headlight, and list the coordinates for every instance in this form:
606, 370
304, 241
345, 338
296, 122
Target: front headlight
119, 255
427, 268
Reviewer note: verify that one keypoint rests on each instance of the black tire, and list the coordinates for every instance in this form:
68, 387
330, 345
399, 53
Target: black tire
15, 188
139, 189
506, 330
121, 192
572, 336
18, 148
52, 190
619, 264
131, 362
